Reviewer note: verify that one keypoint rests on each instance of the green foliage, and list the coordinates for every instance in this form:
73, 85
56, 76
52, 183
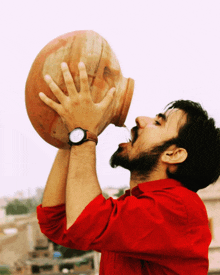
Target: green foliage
120, 192
4, 270
105, 195
18, 207
69, 253
83, 262
31, 204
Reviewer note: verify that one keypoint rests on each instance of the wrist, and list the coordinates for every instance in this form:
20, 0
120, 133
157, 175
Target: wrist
83, 152
79, 136
86, 145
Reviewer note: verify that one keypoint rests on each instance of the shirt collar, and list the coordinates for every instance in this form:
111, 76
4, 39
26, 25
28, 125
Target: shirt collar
153, 186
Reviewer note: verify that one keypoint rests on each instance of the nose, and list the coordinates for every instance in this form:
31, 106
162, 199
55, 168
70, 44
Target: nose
142, 121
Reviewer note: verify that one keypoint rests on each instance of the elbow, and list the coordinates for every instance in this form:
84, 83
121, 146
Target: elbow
69, 223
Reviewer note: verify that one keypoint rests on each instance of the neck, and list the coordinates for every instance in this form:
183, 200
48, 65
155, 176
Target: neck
136, 178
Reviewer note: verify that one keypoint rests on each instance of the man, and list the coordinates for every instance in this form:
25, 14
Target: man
160, 225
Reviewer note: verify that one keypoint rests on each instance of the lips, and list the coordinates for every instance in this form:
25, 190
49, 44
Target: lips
134, 134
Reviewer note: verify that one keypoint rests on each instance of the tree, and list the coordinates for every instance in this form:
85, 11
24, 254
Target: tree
121, 192
31, 204
5, 269
16, 207
69, 253
24, 206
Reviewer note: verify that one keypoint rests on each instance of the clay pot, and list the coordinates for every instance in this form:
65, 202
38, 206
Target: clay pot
103, 71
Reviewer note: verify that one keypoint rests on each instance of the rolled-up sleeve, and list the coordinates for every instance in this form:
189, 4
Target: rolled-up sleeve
132, 226
52, 221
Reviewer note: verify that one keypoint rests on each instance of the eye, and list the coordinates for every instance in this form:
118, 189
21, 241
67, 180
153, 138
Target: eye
156, 122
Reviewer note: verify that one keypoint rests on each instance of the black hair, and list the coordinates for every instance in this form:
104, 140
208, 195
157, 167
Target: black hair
201, 139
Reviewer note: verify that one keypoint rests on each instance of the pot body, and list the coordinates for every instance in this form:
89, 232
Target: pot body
103, 71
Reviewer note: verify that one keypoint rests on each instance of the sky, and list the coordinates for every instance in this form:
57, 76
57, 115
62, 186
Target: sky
170, 48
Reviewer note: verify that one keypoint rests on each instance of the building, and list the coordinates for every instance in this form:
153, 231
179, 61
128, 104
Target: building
42, 260
27, 251
211, 199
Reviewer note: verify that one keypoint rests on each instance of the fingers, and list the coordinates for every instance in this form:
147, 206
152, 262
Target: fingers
62, 98
84, 84
71, 88
49, 102
54, 88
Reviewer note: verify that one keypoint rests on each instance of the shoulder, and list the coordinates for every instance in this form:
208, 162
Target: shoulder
181, 198
194, 206
176, 203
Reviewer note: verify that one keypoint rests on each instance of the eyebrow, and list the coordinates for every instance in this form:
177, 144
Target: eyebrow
163, 116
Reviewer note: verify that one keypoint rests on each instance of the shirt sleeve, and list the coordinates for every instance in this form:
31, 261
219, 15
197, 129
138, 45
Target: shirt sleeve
147, 225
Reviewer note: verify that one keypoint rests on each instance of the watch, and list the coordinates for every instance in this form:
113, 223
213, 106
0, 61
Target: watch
79, 136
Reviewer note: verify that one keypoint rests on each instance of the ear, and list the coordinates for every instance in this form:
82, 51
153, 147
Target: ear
174, 155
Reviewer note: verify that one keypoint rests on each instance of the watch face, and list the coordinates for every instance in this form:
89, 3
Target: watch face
77, 135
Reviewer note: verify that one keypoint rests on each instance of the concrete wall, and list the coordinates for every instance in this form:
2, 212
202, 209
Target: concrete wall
211, 199
17, 246
2, 215
213, 210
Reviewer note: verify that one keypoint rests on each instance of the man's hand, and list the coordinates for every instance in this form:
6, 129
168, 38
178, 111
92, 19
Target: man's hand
78, 109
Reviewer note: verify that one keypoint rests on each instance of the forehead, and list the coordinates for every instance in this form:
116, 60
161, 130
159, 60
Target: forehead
175, 117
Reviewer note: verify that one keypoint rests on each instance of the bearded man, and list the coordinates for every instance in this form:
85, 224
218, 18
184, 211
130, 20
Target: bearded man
160, 225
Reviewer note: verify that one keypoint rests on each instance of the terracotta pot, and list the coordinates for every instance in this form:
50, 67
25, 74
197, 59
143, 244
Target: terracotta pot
103, 71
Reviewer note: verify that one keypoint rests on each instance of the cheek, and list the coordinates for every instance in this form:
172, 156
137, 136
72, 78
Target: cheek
172, 132
151, 140
141, 145
154, 132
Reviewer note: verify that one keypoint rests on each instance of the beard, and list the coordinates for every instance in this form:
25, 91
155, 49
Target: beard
143, 164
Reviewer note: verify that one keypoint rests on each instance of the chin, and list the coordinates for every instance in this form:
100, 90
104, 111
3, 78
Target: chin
123, 149
120, 157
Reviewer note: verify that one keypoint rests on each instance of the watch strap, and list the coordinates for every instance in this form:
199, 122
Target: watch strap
91, 136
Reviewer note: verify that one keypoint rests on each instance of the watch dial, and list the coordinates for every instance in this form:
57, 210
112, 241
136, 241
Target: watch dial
77, 135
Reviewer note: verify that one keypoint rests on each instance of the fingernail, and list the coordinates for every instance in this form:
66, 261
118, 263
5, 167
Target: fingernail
64, 65
47, 77
81, 64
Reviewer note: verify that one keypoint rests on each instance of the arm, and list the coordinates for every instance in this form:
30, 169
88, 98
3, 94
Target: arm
82, 182
54, 193
147, 226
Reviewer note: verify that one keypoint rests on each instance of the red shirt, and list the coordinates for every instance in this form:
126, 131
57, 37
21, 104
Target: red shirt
161, 229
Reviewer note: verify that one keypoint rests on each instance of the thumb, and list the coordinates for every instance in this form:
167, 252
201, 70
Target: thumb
109, 97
